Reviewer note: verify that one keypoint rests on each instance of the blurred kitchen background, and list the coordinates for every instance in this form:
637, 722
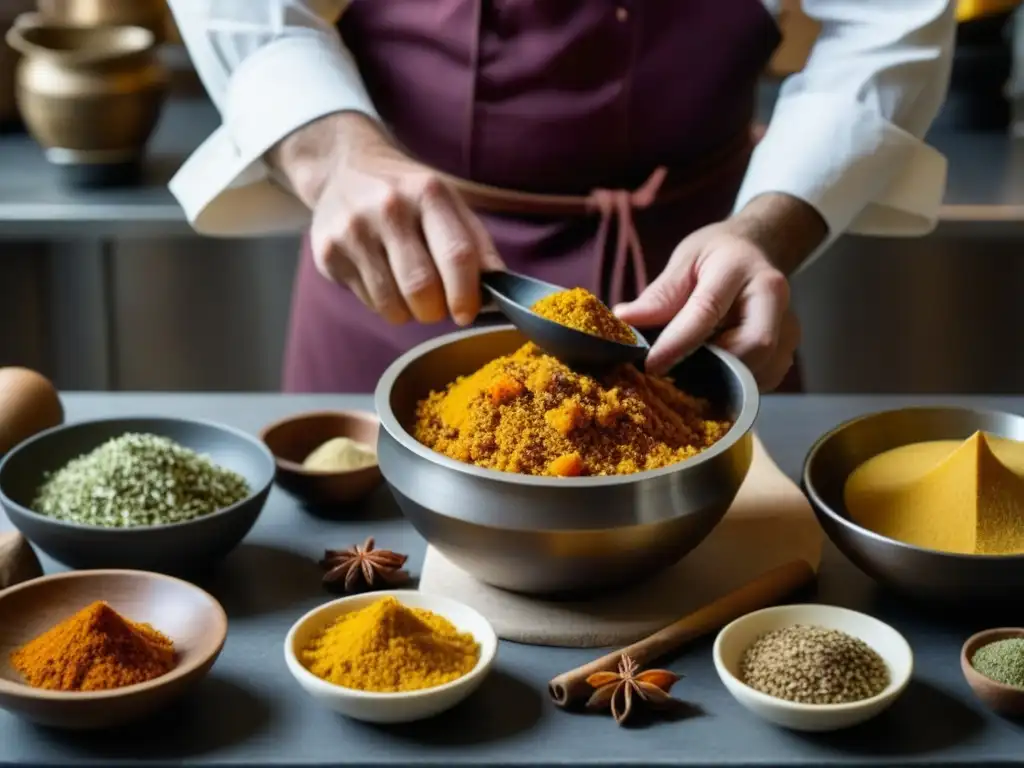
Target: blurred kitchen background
105, 287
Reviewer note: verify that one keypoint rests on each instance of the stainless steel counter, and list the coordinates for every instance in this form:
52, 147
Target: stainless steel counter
112, 290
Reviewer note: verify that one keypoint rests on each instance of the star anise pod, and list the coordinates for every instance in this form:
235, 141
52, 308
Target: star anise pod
620, 691
359, 568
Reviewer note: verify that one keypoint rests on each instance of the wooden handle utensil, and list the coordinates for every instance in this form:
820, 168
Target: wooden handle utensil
767, 589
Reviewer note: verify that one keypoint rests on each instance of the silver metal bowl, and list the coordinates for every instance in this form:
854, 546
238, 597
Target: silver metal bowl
919, 572
548, 535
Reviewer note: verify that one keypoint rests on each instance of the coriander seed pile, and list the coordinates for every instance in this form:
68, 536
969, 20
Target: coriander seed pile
813, 665
137, 480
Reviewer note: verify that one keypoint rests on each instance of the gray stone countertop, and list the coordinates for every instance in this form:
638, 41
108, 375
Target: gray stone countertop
250, 712
986, 184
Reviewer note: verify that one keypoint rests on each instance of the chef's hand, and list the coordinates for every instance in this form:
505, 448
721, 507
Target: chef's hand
727, 283
384, 225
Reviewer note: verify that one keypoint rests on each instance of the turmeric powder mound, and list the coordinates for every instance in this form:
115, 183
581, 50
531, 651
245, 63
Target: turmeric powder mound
960, 497
529, 413
96, 649
389, 647
578, 308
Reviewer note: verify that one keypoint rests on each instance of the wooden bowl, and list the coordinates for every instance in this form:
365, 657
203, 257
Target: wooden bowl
292, 439
193, 619
1004, 699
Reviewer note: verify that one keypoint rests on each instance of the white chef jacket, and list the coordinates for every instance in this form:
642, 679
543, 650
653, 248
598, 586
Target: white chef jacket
846, 134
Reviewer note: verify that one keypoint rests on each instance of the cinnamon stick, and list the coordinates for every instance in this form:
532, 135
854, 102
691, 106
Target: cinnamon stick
767, 589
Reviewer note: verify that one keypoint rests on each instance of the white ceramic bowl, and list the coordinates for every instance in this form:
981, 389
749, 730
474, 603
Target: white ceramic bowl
391, 707
735, 638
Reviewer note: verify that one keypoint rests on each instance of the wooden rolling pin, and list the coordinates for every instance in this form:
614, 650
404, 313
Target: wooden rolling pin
18, 561
769, 588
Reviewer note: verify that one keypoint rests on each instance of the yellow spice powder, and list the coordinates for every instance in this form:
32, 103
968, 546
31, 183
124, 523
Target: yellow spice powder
962, 497
390, 647
578, 308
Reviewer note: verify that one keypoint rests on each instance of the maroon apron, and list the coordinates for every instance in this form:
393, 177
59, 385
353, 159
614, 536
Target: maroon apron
547, 96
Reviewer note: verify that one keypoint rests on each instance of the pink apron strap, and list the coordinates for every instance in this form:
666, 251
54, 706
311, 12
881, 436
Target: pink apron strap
619, 204
469, 130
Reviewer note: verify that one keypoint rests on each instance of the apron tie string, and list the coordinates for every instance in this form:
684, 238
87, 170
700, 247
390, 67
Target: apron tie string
618, 205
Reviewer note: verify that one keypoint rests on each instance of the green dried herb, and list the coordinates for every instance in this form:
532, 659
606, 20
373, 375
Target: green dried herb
137, 480
1002, 661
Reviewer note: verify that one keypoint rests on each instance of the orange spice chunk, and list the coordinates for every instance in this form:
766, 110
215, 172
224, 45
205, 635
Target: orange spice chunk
566, 465
578, 308
558, 422
96, 649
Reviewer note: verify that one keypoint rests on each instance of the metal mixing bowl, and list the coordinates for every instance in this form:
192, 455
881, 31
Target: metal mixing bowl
918, 572
546, 534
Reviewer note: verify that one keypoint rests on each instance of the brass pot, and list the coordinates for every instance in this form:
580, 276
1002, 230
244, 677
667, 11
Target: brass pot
151, 14
9, 11
968, 10
90, 96
8, 65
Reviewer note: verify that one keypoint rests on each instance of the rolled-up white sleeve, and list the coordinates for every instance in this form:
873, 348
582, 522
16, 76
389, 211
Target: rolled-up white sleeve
270, 67
847, 132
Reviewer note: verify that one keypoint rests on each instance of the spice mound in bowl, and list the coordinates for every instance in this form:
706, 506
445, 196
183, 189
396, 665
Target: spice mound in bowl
927, 500
390, 657
812, 667
959, 496
993, 665
138, 479
1002, 661
529, 413
147, 493
326, 458
96, 649
101, 648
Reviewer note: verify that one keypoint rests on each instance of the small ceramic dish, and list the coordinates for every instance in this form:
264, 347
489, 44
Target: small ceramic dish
1005, 699
403, 707
193, 619
292, 439
735, 638
178, 548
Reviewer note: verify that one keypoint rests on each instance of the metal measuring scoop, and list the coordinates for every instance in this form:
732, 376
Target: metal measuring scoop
514, 294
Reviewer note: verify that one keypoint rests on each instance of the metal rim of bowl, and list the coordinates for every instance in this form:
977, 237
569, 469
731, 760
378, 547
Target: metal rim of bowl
750, 404
6, 500
176, 673
819, 504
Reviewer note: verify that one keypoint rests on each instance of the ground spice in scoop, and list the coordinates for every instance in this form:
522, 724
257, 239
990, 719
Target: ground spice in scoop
1002, 661
813, 665
96, 649
581, 310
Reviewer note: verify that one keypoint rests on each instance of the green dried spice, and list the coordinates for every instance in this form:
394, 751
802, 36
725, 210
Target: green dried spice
138, 480
1002, 661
